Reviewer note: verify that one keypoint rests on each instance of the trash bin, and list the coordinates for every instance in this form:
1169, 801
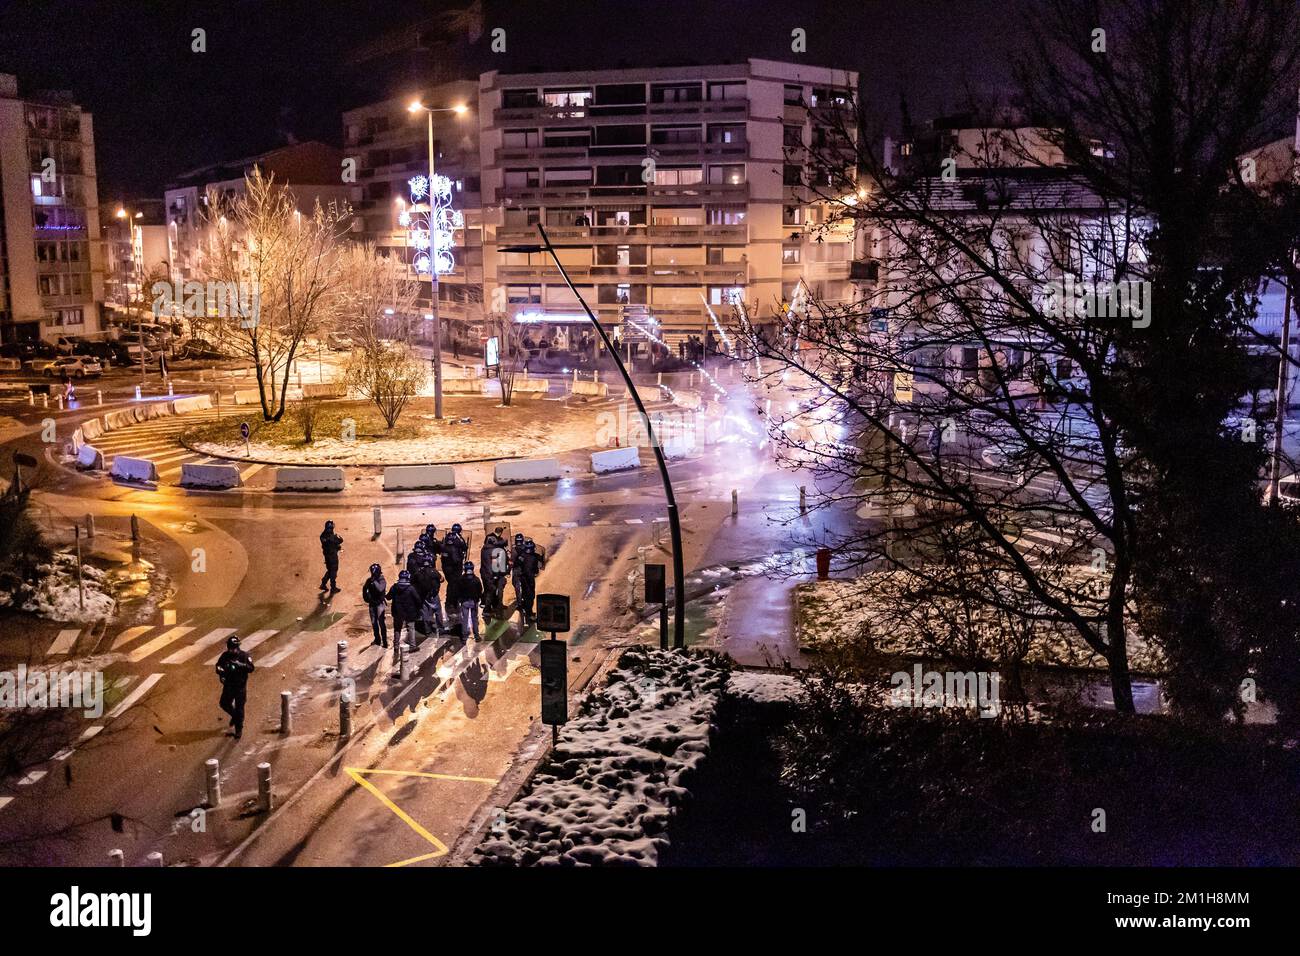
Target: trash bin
823, 563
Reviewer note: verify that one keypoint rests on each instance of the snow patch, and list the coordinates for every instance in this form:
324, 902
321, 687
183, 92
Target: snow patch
54, 593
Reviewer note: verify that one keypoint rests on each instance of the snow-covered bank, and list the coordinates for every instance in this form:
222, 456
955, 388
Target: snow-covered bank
54, 595
608, 791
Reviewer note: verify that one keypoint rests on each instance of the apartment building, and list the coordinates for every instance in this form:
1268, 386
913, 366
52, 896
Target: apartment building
135, 245
663, 189
312, 172
51, 261
390, 146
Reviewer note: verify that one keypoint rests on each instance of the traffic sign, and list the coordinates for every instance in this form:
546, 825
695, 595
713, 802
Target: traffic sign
555, 681
243, 430
902, 387
553, 613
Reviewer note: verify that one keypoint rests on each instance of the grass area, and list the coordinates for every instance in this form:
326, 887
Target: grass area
287, 432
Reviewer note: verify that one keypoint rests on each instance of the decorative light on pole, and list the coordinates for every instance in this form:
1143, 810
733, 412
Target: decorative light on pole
434, 257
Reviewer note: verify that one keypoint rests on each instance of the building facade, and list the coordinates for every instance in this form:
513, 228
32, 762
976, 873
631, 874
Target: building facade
51, 259
135, 246
666, 191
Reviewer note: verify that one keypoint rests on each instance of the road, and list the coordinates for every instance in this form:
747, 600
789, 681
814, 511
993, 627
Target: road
426, 758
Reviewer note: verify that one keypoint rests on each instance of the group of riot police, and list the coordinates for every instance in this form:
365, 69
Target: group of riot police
416, 599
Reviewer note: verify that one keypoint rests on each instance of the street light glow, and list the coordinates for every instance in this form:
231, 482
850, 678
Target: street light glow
415, 106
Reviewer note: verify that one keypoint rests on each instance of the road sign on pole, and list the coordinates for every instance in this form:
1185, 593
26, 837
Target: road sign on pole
553, 613
555, 684
244, 432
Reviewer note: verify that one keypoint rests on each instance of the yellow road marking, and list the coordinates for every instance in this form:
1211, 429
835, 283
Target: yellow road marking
440, 848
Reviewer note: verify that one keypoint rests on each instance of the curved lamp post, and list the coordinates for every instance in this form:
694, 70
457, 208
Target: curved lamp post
674, 524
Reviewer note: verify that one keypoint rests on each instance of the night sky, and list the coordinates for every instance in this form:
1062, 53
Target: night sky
279, 71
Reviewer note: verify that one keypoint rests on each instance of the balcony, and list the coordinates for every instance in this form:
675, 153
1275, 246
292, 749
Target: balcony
720, 192
524, 154
827, 270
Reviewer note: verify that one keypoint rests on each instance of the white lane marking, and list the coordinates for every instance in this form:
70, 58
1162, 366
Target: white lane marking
64, 641
158, 643
129, 701
88, 733
633, 521
602, 522
568, 524
251, 470
247, 643
129, 635
278, 656
193, 650
5, 801
32, 778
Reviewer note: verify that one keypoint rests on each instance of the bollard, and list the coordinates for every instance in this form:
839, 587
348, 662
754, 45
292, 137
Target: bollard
31, 398
90, 525
285, 722
99, 396
803, 500
60, 398
264, 787
214, 782
137, 393
153, 859
660, 379
595, 375
398, 550
405, 666
45, 400
345, 715
487, 517
692, 380
379, 522
135, 528
171, 389
575, 376
735, 502
343, 660
116, 858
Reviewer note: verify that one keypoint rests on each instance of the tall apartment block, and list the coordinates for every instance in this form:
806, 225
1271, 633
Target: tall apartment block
662, 189
51, 270
390, 145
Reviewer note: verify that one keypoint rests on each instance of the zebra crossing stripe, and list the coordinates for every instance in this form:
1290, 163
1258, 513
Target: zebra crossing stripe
129, 635
5, 801
251, 470
278, 656
158, 643
130, 700
33, 777
193, 650
64, 642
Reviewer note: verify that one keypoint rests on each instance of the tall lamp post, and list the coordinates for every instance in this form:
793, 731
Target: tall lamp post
130, 235
460, 109
674, 523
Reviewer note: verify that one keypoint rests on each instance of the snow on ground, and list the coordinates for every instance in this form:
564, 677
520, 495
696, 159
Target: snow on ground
54, 595
764, 687
606, 793
829, 613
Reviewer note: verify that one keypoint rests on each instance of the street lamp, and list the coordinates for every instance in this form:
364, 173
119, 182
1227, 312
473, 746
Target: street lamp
674, 524
459, 109
130, 234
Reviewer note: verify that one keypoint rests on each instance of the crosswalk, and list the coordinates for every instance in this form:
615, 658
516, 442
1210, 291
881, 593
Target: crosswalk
159, 441
170, 645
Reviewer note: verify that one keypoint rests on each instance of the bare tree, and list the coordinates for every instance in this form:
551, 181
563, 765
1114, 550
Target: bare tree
389, 374
279, 274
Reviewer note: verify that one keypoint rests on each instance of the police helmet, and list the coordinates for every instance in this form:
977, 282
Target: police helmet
469, 565
404, 575
375, 569
455, 529
232, 642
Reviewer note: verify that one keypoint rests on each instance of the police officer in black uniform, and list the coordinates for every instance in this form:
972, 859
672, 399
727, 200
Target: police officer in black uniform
330, 545
233, 668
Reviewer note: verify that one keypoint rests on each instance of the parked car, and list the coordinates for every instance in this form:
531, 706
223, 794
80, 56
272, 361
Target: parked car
199, 349
66, 344
128, 353
74, 366
27, 349
338, 342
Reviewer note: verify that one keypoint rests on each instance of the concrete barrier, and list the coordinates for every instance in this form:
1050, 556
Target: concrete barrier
464, 386
325, 390
11, 365
309, 479
247, 396
649, 393
685, 399
594, 389
461, 372
92, 428
210, 476
195, 403
416, 477
118, 419
88, 456
531, 386
616, 459
516, 472
134, 469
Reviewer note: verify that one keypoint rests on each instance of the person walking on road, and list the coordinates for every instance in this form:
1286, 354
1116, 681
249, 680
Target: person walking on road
233, 667
406, 610
470, 593
330, 545
375, 593
530, 564
428, 583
